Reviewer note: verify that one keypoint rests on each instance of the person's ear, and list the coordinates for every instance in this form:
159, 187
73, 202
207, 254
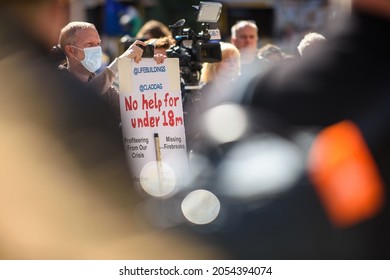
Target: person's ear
69, 51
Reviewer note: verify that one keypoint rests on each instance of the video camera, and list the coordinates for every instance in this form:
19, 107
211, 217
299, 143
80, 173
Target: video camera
193, 49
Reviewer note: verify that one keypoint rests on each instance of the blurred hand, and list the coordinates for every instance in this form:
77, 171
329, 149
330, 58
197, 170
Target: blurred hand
134, 51
159, 58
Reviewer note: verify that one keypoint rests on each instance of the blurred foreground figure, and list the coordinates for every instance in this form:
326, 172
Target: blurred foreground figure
64, 185
331, 201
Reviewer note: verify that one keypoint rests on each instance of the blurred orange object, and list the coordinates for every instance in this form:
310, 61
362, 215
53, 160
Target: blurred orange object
345, 175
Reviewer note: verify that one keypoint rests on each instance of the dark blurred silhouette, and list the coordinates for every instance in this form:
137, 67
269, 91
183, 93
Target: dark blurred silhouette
335, 206
58, 55
65, 188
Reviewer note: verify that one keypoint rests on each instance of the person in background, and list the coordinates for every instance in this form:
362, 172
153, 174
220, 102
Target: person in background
244, 35
271, 52
152, 29
217, 81
218, 77
65, 188
80, 41
161, 45
309, 44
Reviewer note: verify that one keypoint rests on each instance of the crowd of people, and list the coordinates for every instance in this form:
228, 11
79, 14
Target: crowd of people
66, 191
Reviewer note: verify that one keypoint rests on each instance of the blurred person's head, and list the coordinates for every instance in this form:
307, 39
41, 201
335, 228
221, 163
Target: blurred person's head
289, 58
310, 43
271, 52
244, 35
81, 43
43, 19
153, 29
161, 45
228, 69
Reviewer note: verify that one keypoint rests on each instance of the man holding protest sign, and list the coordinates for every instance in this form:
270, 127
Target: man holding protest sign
81, 44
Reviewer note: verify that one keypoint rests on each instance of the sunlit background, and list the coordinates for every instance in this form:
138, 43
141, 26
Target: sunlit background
282, 22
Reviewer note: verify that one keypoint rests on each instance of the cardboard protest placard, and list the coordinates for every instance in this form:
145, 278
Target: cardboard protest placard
153, 124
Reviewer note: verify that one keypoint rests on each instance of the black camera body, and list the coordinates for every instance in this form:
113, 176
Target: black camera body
192, 50
148, 50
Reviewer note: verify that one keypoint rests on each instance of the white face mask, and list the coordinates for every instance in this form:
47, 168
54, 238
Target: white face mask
92, 58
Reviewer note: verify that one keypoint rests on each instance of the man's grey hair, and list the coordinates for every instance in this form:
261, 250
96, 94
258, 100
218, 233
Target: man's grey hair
310, 40
241, 24
68, 32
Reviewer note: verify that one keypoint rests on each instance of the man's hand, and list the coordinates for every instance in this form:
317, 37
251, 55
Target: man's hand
134, 51
159, 58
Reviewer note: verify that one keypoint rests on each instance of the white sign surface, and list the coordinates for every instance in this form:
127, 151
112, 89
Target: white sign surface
153, 124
